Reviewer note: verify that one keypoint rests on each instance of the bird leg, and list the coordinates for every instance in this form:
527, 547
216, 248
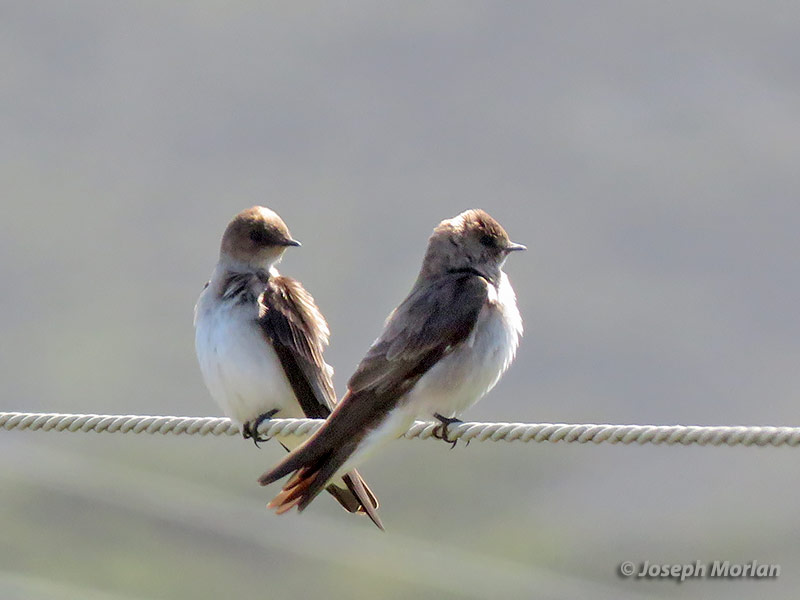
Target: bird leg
250, 428
440, 432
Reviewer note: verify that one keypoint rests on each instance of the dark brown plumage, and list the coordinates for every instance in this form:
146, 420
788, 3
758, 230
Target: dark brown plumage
420, 332
458, 280
291, 322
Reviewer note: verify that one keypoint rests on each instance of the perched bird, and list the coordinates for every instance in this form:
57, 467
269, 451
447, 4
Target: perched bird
440, 351
259, 338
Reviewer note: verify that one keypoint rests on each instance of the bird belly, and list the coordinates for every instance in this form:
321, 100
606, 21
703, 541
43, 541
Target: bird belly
465, 375
457, 381
240, 368
451, 386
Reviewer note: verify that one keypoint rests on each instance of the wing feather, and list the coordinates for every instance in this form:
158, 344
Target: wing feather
292, 323
430, 323
294, 326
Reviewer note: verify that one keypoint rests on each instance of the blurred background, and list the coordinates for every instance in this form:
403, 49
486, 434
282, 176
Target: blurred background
647, 153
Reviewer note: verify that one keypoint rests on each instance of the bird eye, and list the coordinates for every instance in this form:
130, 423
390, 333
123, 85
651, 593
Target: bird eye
257, 236
488, 241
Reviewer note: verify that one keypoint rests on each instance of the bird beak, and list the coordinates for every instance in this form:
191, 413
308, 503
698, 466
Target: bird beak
291, 242
512, 247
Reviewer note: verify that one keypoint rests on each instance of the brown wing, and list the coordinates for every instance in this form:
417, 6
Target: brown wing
295, 327
427, 326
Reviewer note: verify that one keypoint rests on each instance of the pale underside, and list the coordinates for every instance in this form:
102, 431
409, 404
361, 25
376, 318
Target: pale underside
461, 378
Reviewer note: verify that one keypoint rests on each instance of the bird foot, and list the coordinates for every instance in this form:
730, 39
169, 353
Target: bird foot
440, 432
250, 428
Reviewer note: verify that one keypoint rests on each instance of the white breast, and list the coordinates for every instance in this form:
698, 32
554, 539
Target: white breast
239, 366
462, 378
459, 380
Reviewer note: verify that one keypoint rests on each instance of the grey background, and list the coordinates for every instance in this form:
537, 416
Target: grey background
647, 154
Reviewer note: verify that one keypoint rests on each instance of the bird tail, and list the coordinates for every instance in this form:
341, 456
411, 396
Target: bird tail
313, 466
356, 497
320, 458
314, 463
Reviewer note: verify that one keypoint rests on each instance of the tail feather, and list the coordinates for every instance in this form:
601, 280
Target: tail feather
312, 476
314, 479
368, 501
356, 497
301, 456
338, 436
345, 497
285, 504
316, 461
356, 484
296, 492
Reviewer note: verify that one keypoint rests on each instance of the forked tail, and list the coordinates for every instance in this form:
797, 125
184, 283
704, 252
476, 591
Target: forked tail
355, 496
314, 463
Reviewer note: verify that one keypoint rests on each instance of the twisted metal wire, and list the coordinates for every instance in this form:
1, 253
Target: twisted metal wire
481, 432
